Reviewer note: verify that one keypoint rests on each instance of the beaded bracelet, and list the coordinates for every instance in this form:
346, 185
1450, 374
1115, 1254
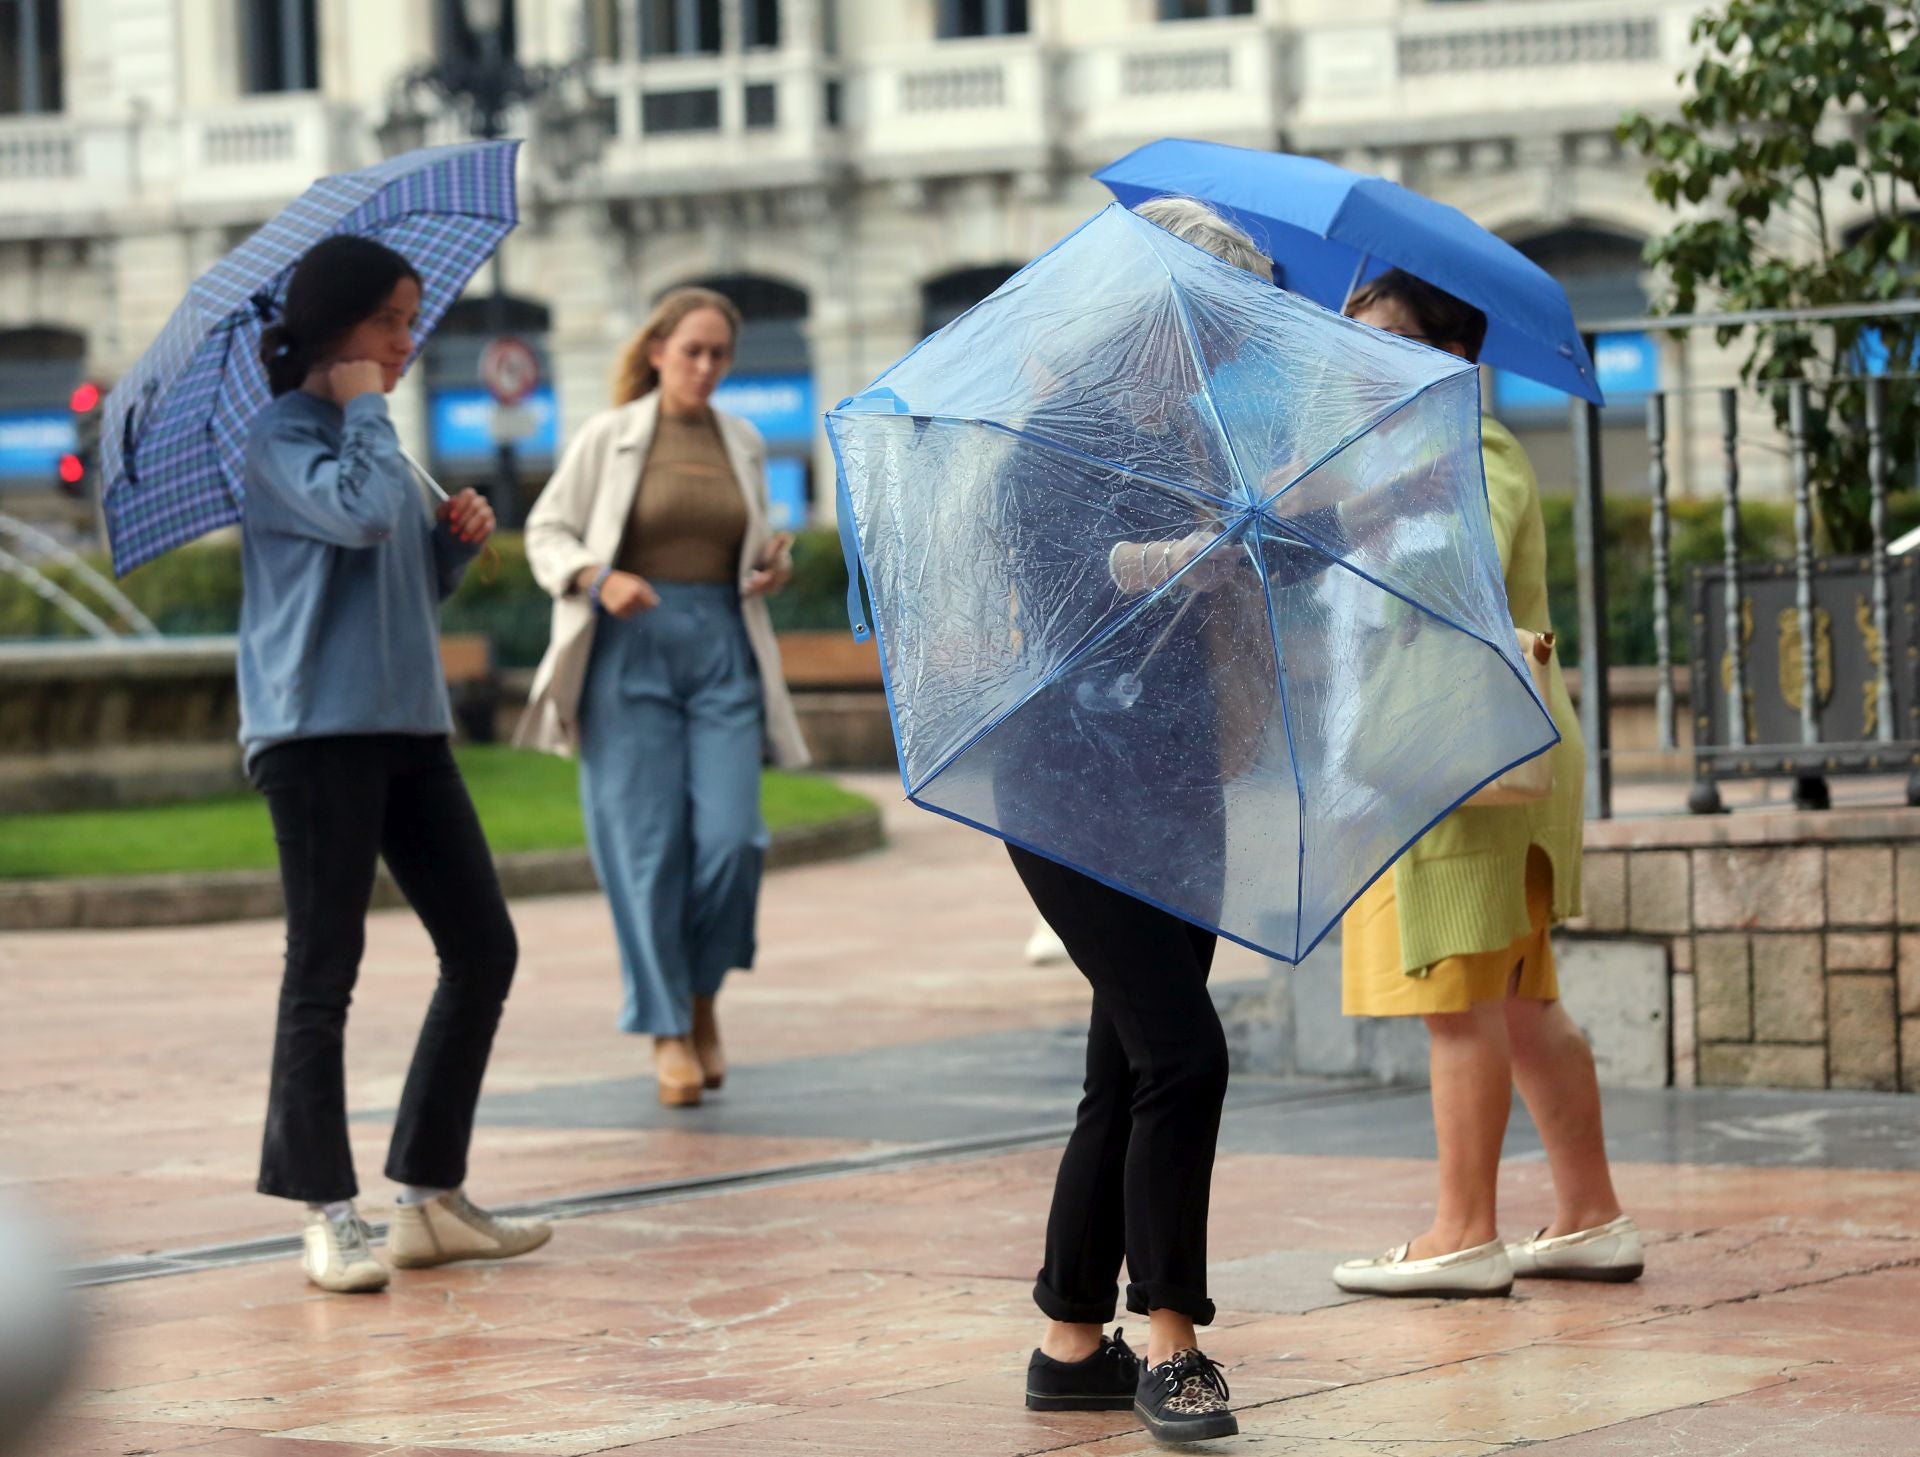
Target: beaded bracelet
599, 581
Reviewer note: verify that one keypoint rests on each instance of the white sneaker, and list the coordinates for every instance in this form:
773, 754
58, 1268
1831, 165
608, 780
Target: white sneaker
1611, 1252
1482, 1270
1044, 947
452, 1227
337, 1254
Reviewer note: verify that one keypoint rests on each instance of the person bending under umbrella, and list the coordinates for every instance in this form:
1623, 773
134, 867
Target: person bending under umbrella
1135, 1175
345, 722
1459, 934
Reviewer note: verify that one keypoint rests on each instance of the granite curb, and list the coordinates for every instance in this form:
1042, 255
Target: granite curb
121, 902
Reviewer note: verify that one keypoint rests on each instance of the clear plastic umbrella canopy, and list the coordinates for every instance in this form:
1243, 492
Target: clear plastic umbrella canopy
1251, 740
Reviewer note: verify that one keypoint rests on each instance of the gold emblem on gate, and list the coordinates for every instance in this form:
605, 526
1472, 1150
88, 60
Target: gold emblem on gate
1790, 665
1746, 664
1869, 690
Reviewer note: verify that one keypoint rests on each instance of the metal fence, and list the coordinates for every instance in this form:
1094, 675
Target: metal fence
1731, 737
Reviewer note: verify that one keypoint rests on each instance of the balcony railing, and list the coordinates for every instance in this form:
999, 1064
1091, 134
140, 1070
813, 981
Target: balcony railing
34, 150
54, 170
1220, 79
264, 147
1508, 47
977, 95
1429, 62
697, 123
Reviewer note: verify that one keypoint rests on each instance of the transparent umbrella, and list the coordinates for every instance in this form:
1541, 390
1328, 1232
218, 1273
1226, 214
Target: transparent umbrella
1184, 582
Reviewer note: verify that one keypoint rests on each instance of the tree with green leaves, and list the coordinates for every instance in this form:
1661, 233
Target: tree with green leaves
1795, 107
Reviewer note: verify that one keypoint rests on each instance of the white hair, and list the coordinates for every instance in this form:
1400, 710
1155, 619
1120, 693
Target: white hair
1192, 221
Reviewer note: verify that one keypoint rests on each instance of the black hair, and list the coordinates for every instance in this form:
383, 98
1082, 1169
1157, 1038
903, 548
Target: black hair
1443, 318
338, 284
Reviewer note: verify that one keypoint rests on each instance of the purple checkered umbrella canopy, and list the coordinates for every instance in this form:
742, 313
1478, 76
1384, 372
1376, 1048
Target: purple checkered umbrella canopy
173, 436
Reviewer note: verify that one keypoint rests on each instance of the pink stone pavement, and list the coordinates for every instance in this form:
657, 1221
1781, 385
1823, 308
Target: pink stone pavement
875, 1313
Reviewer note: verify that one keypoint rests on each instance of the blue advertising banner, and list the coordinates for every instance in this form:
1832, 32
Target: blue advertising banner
787, 493
781, 405
31, 444
460, 426
1628, 367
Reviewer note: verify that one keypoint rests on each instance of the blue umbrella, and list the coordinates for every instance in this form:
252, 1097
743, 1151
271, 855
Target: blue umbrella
1248, 740
1330, 230
174, 431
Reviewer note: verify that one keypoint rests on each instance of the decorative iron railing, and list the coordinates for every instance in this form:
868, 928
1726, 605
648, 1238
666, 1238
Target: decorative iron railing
1736, 733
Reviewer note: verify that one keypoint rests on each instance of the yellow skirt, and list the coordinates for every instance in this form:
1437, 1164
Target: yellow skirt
1373, 985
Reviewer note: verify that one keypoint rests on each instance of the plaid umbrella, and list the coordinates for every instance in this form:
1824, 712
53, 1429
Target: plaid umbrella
173, 437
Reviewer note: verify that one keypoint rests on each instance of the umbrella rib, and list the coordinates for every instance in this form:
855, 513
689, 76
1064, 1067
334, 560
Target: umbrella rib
1293, 759
1200, 372
1059, 670
1364, 430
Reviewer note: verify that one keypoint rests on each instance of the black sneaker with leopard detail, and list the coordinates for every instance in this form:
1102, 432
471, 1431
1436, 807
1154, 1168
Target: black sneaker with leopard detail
1104, 1381
1184, 1399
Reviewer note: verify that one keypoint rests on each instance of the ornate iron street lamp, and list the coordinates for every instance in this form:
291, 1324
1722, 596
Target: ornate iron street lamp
482, 85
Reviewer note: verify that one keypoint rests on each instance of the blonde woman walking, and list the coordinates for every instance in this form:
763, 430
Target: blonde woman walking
653, 539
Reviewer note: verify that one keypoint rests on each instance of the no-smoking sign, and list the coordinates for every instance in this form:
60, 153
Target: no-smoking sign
509, 369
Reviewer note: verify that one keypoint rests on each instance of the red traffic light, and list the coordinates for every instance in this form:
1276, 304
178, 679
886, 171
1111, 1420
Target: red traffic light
85, 398
73, 470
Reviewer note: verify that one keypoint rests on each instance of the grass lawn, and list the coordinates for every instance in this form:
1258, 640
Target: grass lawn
527, 801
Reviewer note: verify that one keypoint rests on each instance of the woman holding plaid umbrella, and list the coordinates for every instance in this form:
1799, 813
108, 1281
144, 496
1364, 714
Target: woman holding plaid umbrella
345, 722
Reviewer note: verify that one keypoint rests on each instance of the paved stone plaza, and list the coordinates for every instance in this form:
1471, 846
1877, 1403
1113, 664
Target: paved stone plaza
834, 1254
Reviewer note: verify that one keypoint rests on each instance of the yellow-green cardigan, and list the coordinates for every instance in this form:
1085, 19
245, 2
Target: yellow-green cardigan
1462, 887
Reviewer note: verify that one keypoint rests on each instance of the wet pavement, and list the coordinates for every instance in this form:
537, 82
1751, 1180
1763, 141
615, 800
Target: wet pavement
834, 1255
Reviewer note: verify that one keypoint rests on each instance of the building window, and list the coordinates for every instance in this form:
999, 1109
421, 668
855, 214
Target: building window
679, 27
761, 107
760, 24
1203, 9
29, 57
280, 48
455, 40
959, 18
832, 104
680, 111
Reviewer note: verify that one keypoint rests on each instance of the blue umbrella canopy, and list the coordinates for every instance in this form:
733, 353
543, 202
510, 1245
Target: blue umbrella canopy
1330, 229
174, 430
1247, 740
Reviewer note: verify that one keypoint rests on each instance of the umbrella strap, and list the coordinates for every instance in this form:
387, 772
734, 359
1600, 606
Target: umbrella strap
850, 549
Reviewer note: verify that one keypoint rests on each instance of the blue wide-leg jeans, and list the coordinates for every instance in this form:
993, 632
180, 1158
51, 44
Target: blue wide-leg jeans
671, 732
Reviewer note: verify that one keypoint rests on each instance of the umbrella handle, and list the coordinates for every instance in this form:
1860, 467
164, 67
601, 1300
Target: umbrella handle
129, 447
1165, 633
489, 558
424, 475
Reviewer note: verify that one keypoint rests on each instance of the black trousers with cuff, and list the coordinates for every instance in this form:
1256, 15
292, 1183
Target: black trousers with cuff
1137, 1171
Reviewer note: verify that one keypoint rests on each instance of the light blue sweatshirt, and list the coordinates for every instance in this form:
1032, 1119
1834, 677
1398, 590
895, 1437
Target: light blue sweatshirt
344, 568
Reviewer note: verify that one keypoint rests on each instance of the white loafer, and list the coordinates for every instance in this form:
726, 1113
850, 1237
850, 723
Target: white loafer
1611, 1252
1482, 1270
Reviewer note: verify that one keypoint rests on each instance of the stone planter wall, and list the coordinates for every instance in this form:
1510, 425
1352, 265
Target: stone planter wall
1794, 941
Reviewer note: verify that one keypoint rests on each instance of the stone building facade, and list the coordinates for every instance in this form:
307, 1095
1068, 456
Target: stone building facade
855, 171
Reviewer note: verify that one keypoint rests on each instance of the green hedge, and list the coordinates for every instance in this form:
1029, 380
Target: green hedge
197, 588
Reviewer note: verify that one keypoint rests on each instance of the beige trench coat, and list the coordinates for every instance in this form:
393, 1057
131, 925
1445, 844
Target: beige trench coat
579, 521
